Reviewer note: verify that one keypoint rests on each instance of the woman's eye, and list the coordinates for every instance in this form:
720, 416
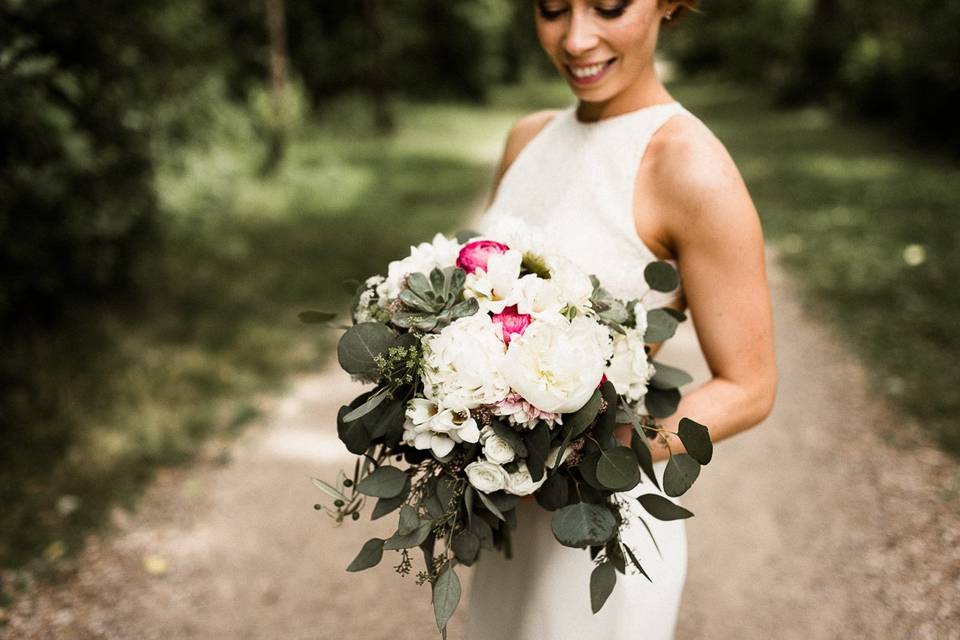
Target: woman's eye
549, 14
613, 12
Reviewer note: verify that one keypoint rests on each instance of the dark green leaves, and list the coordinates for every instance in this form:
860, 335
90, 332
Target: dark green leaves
663, 508
537, 443
696, 438
413, 539
583, 525
409, 520
513, 438
661, 403
667, 377
681, 472
661, 325
644, 457
576, 423
353, 434
554, 493
369, 555
466, 546
617, 469
316, 317
446, 596
383, 482
361, 344
371, 403
661, 276
387, 505
602, 581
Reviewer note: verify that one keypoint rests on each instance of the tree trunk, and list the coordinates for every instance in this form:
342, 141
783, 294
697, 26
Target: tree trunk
277, 35
377, 73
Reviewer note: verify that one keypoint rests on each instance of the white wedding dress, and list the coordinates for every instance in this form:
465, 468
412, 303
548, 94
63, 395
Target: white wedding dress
574, 183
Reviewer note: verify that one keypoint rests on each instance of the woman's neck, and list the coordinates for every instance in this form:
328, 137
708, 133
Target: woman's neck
645, 91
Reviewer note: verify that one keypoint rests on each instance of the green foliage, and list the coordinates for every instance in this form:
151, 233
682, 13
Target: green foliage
583, 525
603, 579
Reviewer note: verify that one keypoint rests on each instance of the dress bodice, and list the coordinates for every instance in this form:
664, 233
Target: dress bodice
574, 182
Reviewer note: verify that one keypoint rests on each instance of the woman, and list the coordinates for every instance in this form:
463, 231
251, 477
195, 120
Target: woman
624, 177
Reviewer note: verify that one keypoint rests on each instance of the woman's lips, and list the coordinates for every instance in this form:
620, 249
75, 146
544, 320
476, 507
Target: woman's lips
589, 74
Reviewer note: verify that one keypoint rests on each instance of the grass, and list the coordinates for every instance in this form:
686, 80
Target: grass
869, 225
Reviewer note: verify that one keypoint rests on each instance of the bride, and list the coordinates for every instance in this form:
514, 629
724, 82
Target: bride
623, 177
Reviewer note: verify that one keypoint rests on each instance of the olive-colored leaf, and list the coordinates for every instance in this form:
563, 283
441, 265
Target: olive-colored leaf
661, 403
409, 520
602, 581
372, 403
696, 438
636, 563
667, 377
328, 489
681, 472
663, 508
553, 494
369, 555
409, 541
661, 276
466, 546
388, 505
640, 448
583, 524
617, 469
383, 482
537, 441
361, 344
446, 596
660, 326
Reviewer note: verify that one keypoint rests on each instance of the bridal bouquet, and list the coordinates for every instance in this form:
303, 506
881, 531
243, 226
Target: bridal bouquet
500, 370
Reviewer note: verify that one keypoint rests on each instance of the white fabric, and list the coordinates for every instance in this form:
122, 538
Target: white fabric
574, 181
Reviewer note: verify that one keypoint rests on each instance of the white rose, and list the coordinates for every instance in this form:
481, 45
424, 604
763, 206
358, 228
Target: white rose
494, 287
520, 483
486, 476
498, 450
557, 364
629, 369
462, 364
441, 253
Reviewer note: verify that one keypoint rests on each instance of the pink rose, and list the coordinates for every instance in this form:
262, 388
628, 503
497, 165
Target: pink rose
474, 255
511, 322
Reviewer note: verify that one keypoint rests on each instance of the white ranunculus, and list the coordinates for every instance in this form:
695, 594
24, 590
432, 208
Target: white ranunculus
629, 369
494, 287
520, 483
498, 450
486, 476
440, 253
557, 363
462, 364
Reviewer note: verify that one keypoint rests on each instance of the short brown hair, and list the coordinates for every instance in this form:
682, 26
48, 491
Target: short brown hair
686, 5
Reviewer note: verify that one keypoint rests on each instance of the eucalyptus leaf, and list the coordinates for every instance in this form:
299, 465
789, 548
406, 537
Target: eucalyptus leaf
537, 441
642, 451
513, 438
488, 503
445, 487
667, 377
681, 472
504, 501
409, 541
554, 493
696, 438
602, 581
383, 482
369, 555
316, 317
446, 596
588, 469
353, 434
329, 490
617, 469
481, 528
615, 555
661, 276
661, 403
660, 326
372, 403
361, 344
663, 508
636, 562
583, 524
409, 520
388, 505
466, 546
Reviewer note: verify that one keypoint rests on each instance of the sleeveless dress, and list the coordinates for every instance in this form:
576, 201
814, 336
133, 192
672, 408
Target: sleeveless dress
574, 182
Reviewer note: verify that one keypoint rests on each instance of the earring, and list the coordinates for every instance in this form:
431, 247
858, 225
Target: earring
668, 15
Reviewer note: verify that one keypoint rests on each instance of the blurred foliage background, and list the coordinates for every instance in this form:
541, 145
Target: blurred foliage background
178, 179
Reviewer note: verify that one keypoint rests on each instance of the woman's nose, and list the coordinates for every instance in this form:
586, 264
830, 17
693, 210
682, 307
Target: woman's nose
581, 35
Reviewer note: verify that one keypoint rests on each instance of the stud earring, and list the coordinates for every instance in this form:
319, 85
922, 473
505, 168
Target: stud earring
668, 15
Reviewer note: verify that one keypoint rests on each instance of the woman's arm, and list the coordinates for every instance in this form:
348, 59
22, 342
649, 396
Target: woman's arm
711, 226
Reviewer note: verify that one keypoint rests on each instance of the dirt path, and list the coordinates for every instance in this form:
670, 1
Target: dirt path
807, 527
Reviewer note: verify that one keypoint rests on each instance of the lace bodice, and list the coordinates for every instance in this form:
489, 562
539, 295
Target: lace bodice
574, 182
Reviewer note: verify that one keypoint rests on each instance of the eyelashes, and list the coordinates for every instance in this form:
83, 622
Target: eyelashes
608, 13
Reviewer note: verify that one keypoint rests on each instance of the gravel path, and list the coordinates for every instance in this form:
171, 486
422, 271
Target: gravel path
810, 526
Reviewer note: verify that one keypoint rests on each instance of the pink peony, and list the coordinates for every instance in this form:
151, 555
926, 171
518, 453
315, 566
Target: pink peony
511, 322
474, 255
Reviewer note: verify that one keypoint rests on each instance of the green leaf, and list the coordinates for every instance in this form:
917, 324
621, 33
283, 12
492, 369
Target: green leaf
667, 377
636, 562
353, 434
488, 503
660, 326
554, 493
409, 520
537, 442
696, 438
617, 469
514, 439
661, 276
419, 284
640, 449
383, 482
576, 423
388, 505
663, 508
369, 555
681, 472
316, 317
615, 555
481, 528
386, 418
466, 235
409, 541
446, 596
372, 403
445, 487
602, 581
680, 316
661, 403
504, 501
588, 469
360, 344
583, 524
329, 490
466, 546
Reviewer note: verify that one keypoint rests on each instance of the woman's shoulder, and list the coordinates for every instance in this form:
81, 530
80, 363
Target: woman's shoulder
524, 130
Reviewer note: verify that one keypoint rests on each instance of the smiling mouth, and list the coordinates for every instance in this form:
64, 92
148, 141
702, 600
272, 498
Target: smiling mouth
588, 74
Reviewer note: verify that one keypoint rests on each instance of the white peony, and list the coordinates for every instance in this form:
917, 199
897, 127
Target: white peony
520, 483
536, 296
486, 476
428, 427
462, 364
494, 287
514, 232
641, 316
573, 283
495, 448
629, 370
441, 253
557, 363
